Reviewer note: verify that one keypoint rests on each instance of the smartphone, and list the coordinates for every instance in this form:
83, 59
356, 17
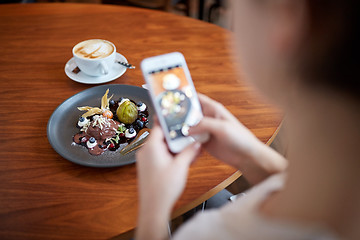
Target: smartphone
174, 97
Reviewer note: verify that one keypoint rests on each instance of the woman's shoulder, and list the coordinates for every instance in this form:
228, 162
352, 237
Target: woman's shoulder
242, 220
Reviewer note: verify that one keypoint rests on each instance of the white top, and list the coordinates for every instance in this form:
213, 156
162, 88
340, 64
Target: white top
241, 220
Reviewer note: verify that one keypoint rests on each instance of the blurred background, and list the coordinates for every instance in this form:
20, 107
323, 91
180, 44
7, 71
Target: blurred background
212, 11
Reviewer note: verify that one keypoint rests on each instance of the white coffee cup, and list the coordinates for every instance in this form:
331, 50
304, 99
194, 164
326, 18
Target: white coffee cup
94, 57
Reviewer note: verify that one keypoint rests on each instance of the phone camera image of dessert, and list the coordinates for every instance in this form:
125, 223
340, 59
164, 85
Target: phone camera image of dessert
115, 125
175, 105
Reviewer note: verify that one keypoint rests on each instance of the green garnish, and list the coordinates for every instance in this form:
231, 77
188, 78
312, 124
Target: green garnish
121, 129
117, 139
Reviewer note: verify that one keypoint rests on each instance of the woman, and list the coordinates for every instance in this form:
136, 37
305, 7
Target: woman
302, 55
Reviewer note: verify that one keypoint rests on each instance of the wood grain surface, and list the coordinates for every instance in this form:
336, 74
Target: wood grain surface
44, 196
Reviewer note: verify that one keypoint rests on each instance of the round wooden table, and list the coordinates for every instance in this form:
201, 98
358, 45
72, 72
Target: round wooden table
44, 196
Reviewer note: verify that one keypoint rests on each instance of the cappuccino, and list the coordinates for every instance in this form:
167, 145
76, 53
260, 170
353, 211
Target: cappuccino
93, 49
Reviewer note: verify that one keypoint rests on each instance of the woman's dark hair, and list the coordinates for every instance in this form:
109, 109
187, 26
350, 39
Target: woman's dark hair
330, 54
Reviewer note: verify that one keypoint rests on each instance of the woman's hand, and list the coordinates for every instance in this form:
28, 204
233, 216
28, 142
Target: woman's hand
162, 177
231, 142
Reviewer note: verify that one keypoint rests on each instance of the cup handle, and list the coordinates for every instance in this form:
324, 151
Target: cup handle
104, 68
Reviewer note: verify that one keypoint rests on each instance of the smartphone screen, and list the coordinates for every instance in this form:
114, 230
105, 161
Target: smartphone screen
176, 98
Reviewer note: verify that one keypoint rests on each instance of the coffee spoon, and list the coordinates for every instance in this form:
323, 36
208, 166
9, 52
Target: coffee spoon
125, 64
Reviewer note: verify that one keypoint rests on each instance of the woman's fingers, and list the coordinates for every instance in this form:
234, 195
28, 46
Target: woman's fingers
156, 134
208, 105
207, 125
214, 109
155, 141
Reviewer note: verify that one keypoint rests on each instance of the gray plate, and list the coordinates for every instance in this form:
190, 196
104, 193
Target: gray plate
62, 125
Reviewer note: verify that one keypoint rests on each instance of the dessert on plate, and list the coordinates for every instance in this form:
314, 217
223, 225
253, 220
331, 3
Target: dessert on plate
116, 124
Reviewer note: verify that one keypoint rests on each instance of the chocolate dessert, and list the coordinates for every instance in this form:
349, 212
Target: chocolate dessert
115, 125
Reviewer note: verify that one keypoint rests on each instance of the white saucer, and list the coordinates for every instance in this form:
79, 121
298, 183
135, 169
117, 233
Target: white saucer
116, 71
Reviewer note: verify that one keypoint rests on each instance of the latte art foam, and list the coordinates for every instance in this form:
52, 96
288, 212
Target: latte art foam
93, 49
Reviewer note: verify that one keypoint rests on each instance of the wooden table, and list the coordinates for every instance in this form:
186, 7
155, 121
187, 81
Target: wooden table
44, 196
